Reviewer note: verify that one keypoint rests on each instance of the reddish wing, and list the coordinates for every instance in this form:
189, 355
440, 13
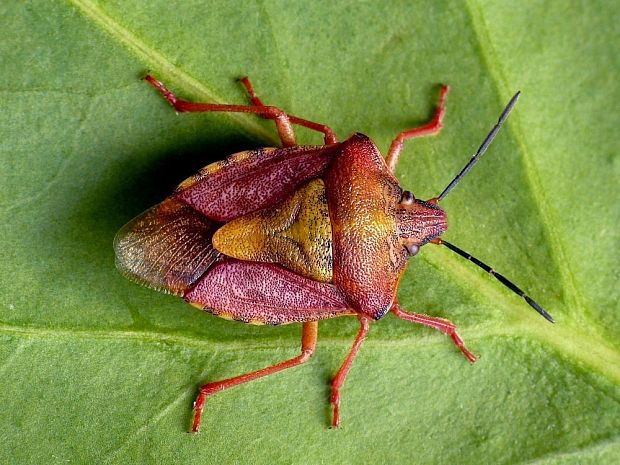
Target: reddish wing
169, 247
251, 180
264, 293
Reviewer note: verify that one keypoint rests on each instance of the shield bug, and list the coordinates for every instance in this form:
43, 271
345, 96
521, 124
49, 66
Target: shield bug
295, 234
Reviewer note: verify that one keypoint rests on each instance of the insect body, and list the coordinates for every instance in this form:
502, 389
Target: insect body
293, 235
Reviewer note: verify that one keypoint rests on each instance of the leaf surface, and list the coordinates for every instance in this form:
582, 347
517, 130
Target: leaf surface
98, 370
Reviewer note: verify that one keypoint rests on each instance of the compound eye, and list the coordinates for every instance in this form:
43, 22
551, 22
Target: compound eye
407, 198
412, 249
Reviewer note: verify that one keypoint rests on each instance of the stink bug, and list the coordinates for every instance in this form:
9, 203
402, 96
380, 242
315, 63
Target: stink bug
295, 234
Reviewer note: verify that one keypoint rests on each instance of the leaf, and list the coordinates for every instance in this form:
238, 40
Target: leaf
98, 370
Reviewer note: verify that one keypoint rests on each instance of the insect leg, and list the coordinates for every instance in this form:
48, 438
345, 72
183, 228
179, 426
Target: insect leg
308, 344
429, 129
329, 136
283, 122
338, 380
439, 324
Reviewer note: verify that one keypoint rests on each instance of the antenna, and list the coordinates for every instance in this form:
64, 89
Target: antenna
506, 282
485, 144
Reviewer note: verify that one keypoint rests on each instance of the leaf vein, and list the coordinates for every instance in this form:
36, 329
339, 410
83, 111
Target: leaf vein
601, 446
500, 81
164, 66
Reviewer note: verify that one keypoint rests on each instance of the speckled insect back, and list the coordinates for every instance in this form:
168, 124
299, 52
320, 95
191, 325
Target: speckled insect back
295, 234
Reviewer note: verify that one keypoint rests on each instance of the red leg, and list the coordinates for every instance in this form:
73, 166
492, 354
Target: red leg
308, 344
431, 128
338, 380
283, 123
440, 324
329, 136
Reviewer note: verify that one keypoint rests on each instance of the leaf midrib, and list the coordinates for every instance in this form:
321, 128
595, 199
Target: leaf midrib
566, 340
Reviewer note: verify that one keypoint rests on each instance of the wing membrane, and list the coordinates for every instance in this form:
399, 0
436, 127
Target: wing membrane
168, 247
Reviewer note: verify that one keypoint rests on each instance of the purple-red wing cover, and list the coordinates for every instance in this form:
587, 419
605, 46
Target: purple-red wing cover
254, 179
168, 247
265, 293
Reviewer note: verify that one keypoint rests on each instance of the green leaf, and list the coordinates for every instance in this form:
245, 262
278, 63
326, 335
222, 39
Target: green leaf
98, 370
